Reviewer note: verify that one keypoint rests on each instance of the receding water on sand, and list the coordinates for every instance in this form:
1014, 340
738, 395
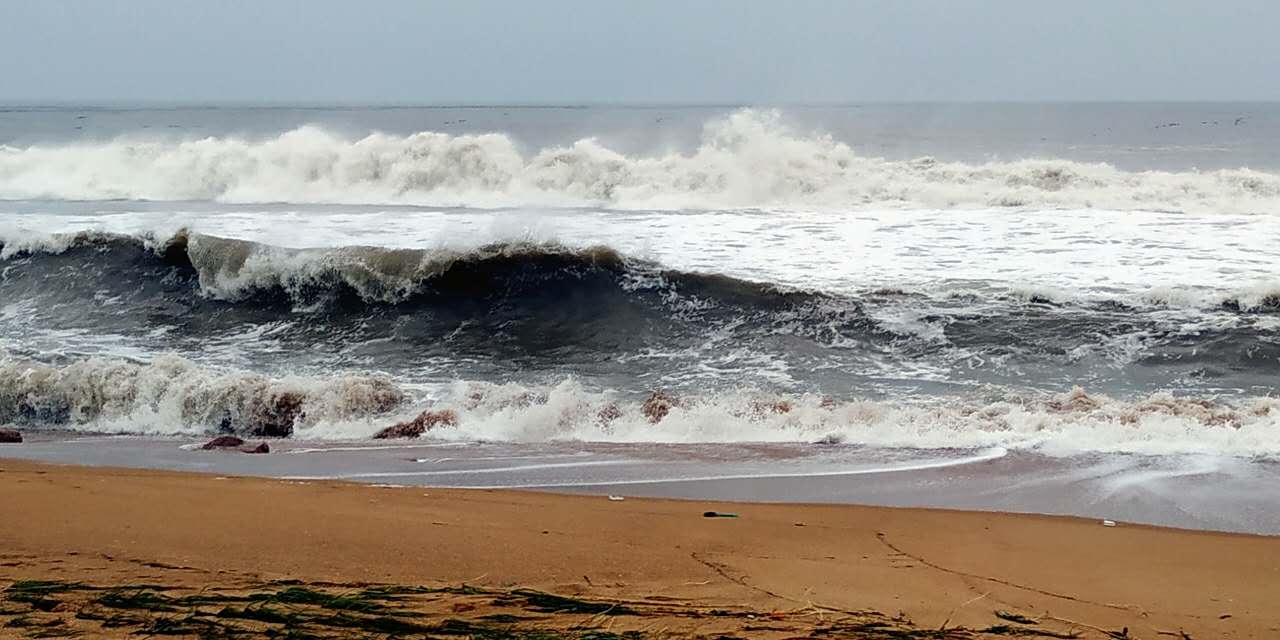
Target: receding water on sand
1190, 491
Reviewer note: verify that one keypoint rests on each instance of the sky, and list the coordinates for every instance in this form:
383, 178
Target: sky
623, 51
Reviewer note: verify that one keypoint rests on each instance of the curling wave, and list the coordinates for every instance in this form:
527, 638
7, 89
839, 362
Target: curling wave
233, 270
747, 159
521, 309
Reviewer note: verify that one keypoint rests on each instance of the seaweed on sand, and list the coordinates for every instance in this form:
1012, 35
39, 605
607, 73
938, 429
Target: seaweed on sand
39, 594
139, 599
362, 601
550, 603
323, 611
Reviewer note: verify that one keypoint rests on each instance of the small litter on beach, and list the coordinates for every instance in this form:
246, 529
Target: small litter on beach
1108, 523
716, 514
616, 498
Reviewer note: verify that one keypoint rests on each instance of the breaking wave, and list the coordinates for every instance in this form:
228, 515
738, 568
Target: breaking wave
1065, 423
252, 274
747, 159
171, 395
233, 270
515, 310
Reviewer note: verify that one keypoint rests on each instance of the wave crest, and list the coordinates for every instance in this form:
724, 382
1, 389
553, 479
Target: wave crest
1068, 422
172, 395
233, 270
749, 158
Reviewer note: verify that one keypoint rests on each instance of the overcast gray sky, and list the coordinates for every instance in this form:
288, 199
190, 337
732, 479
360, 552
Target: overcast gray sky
569, 51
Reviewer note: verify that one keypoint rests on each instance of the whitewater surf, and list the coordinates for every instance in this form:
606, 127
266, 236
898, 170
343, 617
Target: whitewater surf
675, 303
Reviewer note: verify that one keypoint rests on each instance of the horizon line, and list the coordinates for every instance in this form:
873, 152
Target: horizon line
104, 103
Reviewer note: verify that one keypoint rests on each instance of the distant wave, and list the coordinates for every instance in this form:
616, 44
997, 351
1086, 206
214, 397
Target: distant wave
747, 159
171, 395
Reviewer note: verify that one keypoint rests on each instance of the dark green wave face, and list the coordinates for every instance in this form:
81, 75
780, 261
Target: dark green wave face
543, 311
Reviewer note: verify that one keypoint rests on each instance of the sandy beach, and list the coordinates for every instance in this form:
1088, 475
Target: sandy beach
509, 562
639, 321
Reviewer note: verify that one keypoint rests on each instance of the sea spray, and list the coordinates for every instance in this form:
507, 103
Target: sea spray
175, 396
749, 158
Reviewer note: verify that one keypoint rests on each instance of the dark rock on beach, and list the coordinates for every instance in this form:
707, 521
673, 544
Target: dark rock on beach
426, 421
771, 406
658, 405
10, 436
223, 442
608, 414
411, 429
228, 443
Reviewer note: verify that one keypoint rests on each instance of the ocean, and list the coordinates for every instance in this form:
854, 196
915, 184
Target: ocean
1066, 308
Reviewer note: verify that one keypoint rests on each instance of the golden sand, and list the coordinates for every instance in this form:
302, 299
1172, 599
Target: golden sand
773, 571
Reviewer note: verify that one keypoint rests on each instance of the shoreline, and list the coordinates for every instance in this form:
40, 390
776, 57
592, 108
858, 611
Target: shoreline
784, 563
1191, 492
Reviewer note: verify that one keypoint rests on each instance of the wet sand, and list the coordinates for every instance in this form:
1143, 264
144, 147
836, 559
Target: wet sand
1220, 493
773, 571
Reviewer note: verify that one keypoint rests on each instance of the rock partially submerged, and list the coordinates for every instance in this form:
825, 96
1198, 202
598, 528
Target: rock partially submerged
228, 443
608, 414
223, 442
10, 436
426, 421
658, 405
778, 407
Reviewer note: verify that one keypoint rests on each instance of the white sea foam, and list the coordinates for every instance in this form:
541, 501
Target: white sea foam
1067, 423
747, 159
172, 395
175, 396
